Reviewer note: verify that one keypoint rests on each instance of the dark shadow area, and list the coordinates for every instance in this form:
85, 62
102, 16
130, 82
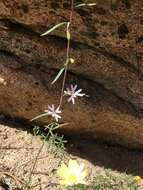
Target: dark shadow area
98, 153
109, 156
16, 123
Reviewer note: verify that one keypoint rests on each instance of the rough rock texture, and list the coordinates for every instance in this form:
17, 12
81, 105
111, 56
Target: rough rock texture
108, 48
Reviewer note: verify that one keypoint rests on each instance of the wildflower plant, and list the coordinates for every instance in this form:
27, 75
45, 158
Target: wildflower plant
52, 139
71, 93
72, 174
54, 112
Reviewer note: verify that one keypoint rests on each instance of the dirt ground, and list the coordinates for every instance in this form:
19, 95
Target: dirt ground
18, 150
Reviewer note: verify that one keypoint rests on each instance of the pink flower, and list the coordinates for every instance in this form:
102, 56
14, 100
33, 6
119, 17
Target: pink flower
53, 112
73, 93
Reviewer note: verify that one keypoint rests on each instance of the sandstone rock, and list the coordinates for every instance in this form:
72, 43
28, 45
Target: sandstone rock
107, 48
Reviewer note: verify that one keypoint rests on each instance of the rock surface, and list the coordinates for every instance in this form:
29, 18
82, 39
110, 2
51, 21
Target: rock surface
108, 49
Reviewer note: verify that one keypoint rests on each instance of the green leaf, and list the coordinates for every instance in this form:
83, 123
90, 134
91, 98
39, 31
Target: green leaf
58, 75
39, 116
85, 4
53, 28
68, 31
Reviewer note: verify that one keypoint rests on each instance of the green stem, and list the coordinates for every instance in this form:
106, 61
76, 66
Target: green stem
34, 165
67, 53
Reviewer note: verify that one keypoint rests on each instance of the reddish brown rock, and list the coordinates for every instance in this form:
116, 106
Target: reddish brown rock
26, 93
107, 47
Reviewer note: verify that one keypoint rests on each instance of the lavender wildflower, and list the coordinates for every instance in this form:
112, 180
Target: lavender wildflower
54, 112
73, 93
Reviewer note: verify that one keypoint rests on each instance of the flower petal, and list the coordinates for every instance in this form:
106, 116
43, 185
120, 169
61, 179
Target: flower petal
63, 170
73, 165
81, 167
75, 87
83, 174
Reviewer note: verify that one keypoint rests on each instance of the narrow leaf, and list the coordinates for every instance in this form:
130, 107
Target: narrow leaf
58, 75
80, 5
66, 63
53, 28
85, 4
68, 31
91, 4
39, 116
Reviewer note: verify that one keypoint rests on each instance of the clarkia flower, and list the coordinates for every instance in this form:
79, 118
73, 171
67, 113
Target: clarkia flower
73, 93
54, 112
72, 174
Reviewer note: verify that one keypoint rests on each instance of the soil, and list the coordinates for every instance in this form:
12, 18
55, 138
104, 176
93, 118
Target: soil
19, 147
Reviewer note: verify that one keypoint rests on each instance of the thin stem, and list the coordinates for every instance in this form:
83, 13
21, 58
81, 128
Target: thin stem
34, 165
67, 53
31, 172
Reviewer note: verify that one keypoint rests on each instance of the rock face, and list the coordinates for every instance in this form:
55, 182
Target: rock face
107, 45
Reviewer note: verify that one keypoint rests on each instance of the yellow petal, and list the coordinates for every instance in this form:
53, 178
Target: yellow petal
68, 181
73, 165
83, 174
63, 182
62, 171
73, 174
81, 167
137, 179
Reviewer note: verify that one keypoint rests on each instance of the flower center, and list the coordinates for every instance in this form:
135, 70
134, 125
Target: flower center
73, 179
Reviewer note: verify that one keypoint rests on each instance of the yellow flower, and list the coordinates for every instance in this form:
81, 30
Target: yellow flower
72, 174
137, 179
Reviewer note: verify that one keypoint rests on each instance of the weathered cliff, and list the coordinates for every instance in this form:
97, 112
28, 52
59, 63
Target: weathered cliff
107, 45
